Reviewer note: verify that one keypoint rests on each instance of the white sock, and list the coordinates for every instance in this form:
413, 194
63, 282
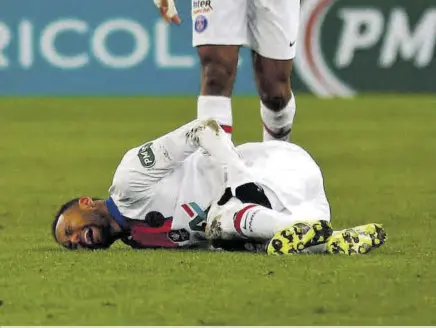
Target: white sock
277, 125
218, 108
260, 223
317, 249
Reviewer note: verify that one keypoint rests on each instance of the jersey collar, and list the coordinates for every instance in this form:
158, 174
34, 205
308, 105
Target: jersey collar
116, 214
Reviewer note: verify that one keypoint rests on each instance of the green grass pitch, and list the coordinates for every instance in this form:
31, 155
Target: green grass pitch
378, 155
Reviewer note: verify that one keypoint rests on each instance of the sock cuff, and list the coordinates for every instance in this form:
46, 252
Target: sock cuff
218, 108
282, 118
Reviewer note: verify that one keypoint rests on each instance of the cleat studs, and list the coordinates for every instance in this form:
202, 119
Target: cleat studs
277, 244
300, 246
347, 236
288, 235
335, 248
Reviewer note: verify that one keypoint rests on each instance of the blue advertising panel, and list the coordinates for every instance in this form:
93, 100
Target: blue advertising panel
99, 47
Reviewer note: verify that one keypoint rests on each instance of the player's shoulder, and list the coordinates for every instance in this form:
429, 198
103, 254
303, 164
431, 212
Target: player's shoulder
138, 157
130, 170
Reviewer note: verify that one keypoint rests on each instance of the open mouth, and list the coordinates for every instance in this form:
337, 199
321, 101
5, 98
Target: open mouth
89, 236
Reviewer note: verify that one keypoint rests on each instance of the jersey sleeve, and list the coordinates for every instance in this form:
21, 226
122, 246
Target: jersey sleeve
137, 177
161, 156
210, 137
215, 141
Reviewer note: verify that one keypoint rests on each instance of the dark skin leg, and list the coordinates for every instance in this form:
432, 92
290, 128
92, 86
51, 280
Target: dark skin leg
273, 81
218, 69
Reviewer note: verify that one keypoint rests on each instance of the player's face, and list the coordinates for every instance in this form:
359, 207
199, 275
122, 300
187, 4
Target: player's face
83, 226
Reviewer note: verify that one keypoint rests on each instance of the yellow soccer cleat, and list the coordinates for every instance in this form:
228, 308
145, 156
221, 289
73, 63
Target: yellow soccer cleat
299, 236
375, 231
358, 240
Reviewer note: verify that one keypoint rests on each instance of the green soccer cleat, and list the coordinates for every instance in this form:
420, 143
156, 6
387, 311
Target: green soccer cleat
299, 236
357, 240
375, 231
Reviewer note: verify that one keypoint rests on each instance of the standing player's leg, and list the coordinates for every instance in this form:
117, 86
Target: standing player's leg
219, 29
277, 103
218, 73
273, 30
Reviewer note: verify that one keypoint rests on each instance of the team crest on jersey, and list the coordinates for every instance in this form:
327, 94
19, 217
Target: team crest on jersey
178, 236
200, 24
146, 156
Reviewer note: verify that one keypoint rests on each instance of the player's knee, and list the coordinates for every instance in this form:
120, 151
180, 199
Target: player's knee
218, 75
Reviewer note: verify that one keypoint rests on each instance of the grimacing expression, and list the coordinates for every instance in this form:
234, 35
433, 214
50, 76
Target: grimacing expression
83, 226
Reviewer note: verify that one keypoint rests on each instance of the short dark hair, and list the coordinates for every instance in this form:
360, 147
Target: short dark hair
61, 211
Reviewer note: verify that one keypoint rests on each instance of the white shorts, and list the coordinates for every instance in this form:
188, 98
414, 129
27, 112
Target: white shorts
292, 180
269, 27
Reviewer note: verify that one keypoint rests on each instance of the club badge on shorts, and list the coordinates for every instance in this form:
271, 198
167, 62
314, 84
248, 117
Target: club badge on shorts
200, 24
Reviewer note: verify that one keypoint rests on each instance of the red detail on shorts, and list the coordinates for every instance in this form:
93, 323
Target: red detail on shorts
227, 128
238, 218
147, 236
188, 210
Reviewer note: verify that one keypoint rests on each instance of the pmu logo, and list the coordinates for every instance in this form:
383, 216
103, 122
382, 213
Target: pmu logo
341, 42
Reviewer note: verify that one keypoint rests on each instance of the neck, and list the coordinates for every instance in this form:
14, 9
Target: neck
102, 208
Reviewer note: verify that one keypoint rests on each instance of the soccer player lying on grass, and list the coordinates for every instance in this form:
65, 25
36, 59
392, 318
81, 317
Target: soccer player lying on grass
193, 188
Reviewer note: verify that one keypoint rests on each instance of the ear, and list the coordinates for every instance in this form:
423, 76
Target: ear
86, 203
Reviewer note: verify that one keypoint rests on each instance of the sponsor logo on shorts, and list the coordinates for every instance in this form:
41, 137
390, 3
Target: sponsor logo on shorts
200, 24
202, 7
249, 220
146, 156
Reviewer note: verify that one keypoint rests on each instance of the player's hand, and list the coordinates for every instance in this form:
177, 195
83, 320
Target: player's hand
168, 11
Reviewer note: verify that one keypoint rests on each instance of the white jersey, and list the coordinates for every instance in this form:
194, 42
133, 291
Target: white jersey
180, 174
